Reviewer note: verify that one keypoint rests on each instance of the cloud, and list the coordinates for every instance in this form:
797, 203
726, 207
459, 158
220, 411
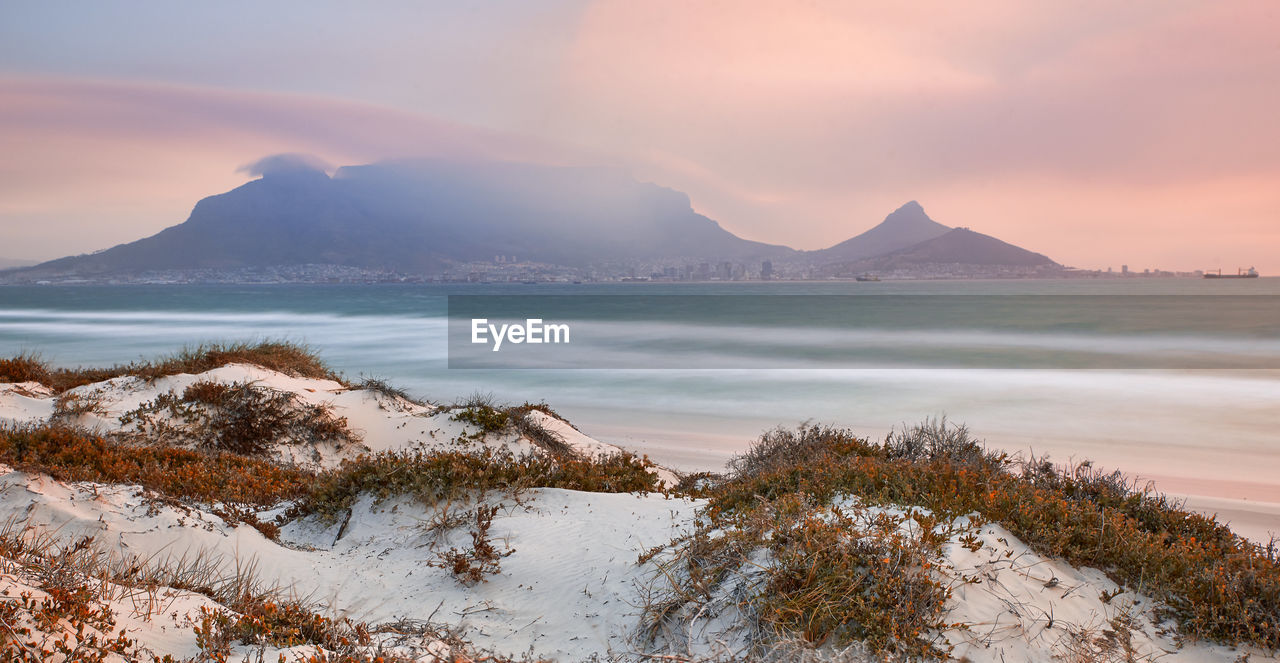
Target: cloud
805, 122
285, 164
87, 164
1092, 131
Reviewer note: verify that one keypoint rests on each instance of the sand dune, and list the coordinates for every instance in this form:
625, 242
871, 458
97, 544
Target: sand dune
572, 584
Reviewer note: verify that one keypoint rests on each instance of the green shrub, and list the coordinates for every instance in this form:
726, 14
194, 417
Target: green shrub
486, 417
443, 475
481, 413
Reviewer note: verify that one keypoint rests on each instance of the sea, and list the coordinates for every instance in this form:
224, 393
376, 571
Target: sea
1175, 381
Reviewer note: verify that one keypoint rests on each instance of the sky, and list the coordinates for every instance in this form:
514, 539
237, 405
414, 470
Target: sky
1099, 133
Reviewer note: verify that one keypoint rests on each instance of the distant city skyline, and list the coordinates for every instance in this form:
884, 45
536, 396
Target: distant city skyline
1099, 134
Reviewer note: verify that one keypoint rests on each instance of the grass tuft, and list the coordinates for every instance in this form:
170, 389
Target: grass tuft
480, 411
386, 389
283, 356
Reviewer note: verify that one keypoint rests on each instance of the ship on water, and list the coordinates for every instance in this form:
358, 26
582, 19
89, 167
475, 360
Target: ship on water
1240, 274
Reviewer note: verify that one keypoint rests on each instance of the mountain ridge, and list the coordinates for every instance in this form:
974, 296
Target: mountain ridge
424, 216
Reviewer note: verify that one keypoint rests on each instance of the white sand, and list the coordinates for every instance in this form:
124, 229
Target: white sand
572, 587
381, 422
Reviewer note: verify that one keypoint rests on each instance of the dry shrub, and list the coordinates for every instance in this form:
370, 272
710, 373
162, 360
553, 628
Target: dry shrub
480, 411
283, 356
73, 405
24, 368
1217, 585
74, 621
243, 418
535, 431
444, 518
1111, 642
70, 621
386, 389
696, 484
834, 579
933, 439
472, 565
266, 620
70, 454
782, 450
65, 379
827, 577
440, 476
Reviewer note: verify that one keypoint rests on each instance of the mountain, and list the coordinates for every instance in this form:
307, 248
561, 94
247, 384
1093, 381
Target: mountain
421, 216
958, 247
964, 246
906, 226
6, 263
425, 216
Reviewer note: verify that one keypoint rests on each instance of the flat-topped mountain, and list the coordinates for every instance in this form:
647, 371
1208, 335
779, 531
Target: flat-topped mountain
421, 216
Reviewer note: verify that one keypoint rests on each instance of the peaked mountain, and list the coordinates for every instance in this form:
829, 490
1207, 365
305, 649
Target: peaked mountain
960, 246
906, 226
965, 246
423, 215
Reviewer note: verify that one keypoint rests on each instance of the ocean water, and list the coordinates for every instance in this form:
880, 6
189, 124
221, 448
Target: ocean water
1174, 380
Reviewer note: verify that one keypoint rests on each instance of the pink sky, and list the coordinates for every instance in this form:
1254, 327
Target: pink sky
1099, 133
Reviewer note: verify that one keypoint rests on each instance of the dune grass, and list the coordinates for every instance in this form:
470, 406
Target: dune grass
240, 417
386, 390
74, 620
482, 413
70, 621
24, 368
439, 476
829, 582
212, 477
236, 483
283, 356
1217, 585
